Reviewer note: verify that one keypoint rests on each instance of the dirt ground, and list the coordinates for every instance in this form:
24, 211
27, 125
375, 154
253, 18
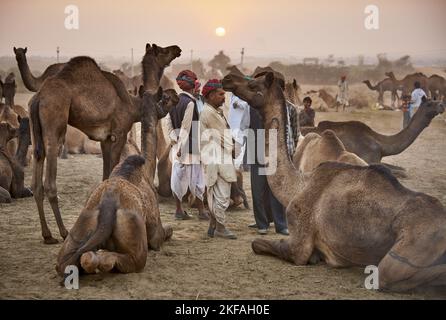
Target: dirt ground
192, 266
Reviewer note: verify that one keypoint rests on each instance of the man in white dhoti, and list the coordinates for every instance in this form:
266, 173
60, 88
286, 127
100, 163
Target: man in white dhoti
342, 98
187, 171
217, 157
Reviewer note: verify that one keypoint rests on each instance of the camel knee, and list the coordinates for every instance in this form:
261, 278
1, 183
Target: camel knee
89, 262
50, 191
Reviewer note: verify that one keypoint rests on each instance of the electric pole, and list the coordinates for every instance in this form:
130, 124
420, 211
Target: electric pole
191, 60
243, 53
57, 51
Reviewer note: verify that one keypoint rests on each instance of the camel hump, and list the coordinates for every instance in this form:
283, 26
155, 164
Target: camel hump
128, 167
119, 86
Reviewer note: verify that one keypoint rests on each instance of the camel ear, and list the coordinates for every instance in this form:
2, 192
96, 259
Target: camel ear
140, 91
26, 49
15, 50
148, 47
269, 79
155, 49
295, 84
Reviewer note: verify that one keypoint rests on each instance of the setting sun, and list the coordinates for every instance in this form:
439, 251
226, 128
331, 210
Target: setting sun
220, 31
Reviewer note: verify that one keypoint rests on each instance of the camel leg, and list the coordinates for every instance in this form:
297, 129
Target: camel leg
50, 185
116, 150
157, 234
299, 248
37, 186
106, 261
106, 153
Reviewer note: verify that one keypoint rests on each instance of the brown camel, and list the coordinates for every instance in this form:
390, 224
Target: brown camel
349, 215
315, 149
329, 100
11, 172
437, 87
372, 146
93, 101
32, 83
292, 93
132, 83
381, 87
121, 218
406, 85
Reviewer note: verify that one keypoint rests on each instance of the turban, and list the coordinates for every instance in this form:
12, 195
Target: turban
210, 86
186, 80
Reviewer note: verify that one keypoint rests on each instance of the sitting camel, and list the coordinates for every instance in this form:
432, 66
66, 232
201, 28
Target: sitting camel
121, 218
315, 149
349, 215
99, 106
372, 146
11, 172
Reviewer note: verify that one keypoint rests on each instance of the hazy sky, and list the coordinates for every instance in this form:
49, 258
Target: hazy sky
264, 27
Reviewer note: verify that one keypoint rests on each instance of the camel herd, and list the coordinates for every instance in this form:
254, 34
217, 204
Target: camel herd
343, 207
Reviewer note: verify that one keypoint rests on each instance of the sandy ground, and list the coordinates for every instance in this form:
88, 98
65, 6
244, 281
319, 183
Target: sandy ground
192, 266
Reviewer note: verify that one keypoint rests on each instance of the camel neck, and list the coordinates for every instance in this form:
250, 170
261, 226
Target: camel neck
287, 181
397, 143
149, 123
30, 82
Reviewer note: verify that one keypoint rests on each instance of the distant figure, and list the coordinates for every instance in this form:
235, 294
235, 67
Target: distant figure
343, 94
405, 107
416, 98
199, 99
307, 115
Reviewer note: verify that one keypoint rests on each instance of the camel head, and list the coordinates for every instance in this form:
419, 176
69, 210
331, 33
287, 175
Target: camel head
428, 110
155, 60
7, 133
20, 53
238, 84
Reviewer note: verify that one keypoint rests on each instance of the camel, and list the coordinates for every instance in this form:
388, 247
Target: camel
132, 83
1, 90
346, 214
381, 87
315, 149
93, 101
372, 146
121, 219
29, 80
292, 93
329, 100
437, 87
11, 172
406, 85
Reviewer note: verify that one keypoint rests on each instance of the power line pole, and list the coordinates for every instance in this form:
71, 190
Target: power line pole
191, 60
132, 63
57, 51
242, 53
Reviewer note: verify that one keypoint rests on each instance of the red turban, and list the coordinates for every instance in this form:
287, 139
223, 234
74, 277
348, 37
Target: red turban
186, 80
211, 85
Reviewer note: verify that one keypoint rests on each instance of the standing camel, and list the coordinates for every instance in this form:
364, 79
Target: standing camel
381, 87
406, 85
121, 218
93, 101
349, 215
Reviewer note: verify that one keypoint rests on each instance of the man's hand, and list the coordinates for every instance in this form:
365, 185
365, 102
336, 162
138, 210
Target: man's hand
179, 153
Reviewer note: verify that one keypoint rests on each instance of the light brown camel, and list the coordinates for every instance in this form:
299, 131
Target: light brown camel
31, 82
406, 85
93, 101
372, 146
11, 172
292, 93
381, 87
76, 142
329, 100
315, 149
349, 215
121, 218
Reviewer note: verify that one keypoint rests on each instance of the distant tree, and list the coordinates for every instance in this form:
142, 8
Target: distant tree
220, 62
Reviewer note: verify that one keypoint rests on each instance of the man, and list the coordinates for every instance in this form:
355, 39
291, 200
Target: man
405, 106
238, 120
342, 98
266, 207
187, 172
416, 98
217, 151
307, 115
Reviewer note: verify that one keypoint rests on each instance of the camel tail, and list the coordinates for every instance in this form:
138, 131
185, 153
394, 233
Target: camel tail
106, 222
36, 129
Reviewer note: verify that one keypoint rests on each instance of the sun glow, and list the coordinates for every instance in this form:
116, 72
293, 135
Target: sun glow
220, 32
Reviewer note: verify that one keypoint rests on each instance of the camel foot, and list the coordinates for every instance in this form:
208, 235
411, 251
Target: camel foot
260, 246
50, 240
64, 234
89, 262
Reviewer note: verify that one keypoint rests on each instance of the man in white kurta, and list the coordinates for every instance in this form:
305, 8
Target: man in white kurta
238, 121
216, 156
342, 98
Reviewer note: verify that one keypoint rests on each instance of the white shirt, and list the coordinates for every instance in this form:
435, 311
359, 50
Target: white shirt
416, 98
238, 118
